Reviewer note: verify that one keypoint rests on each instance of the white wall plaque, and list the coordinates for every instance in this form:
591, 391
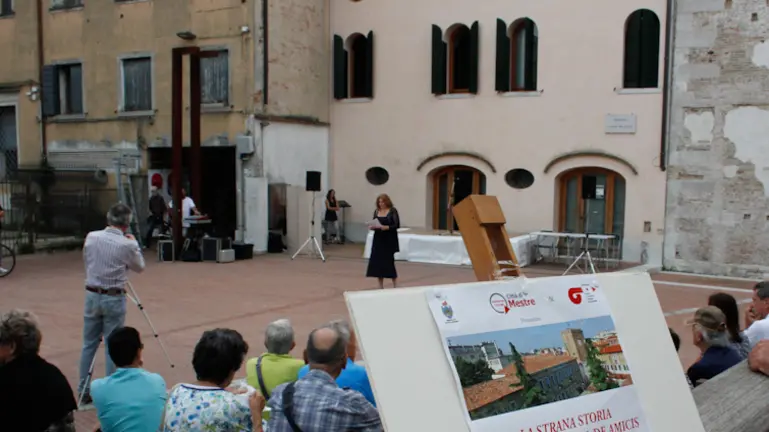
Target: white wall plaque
620, 124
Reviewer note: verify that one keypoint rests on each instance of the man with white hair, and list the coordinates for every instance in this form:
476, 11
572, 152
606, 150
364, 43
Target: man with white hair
276, 366
710, 336
108, 255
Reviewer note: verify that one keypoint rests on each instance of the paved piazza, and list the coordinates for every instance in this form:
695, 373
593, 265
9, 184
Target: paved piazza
184, 299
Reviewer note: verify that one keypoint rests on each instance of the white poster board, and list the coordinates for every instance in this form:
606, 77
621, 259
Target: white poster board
415, 386
541, 359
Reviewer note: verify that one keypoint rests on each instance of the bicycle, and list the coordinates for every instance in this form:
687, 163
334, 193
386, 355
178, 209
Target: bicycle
7, 260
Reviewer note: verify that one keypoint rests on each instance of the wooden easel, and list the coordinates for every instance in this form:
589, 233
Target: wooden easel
482, 224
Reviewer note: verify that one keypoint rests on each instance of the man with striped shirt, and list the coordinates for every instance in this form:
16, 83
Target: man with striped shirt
108, 255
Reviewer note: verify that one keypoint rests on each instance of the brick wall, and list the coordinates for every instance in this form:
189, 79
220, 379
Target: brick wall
717, 219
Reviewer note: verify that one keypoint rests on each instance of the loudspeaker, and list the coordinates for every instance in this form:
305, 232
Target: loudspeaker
166, 251
211, 248
243, 251
588, 187
313, 181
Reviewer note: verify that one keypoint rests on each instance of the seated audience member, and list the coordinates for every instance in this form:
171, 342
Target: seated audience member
354, 376
206, 404
677, 344
276, 366
131, 399
676, 339
759, 358
710, 336
756, 321
728, 305
315, 403
34, 394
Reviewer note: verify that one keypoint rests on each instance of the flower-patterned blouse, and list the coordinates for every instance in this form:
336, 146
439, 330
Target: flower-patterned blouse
193, 408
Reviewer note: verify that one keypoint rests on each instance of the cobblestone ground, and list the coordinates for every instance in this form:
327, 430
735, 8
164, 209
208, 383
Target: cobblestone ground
184, 299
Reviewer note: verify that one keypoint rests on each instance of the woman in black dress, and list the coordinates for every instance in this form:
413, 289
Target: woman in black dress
331, 217
381, 264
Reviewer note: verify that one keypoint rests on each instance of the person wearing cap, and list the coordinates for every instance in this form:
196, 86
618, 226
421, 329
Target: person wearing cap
710, 336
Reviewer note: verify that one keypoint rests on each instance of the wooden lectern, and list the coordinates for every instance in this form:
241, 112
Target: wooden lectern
482, 225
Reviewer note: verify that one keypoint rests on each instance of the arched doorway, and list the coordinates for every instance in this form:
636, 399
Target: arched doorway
459, 181
592, 200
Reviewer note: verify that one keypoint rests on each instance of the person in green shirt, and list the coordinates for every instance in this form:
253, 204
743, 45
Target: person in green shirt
276, 366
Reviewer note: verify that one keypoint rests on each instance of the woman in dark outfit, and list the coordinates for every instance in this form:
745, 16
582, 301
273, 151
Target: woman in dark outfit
381, 264
34, 394
332, 231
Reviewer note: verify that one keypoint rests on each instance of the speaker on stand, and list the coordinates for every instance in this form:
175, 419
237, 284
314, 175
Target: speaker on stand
313, 186
312, 183
588, 194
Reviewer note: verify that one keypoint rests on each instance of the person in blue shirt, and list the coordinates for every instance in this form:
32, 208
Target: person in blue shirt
353, 376
710, 336
131, 399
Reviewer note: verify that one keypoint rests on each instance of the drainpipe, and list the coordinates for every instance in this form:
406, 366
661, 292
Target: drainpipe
666, 84
265, 53
667, 89
40, 65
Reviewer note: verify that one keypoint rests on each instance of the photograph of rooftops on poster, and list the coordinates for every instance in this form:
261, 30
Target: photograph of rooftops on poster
512, 370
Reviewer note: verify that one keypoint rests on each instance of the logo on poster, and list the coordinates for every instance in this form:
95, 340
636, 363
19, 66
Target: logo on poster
502, 304
448, 312
585, 292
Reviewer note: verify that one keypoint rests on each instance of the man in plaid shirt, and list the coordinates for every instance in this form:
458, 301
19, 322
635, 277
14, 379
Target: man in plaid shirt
315, 403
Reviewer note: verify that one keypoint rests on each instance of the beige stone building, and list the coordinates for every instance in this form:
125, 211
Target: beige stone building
83, 81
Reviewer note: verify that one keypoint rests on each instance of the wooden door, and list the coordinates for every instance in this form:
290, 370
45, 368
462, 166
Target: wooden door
450, 186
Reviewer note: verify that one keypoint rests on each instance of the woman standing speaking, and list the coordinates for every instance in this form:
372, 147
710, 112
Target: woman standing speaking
385, 224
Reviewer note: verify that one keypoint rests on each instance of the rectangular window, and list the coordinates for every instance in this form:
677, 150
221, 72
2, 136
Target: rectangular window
137, 84
71, 89
6, 7
62, 89
66, 4
215, 79
9, 147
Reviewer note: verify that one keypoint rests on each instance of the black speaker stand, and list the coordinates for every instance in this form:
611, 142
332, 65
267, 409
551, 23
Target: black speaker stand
311, 241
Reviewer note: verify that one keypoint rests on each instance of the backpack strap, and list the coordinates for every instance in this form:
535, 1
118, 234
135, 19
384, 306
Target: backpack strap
260, 377
288, 406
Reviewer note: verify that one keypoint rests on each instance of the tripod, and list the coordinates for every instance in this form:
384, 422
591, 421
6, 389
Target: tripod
311, 241
584, 254
137, 301
585, 245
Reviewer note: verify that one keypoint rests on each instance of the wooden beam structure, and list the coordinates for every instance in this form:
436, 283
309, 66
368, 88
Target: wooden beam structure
177, 133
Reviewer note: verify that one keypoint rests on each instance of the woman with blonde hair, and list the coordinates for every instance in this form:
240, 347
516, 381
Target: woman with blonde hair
385, 224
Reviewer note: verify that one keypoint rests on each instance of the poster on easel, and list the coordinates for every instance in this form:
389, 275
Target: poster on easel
544, 360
